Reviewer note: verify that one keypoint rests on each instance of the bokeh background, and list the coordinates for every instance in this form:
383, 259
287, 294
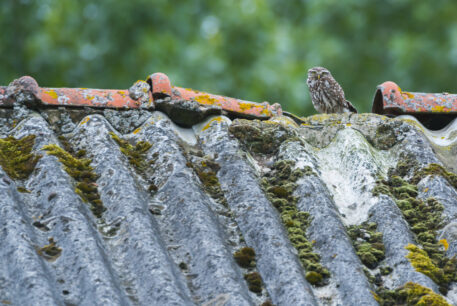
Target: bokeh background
257, 50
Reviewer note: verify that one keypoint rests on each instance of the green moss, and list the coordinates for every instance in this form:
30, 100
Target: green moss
263, 137
83, 173
410, 294
313, 277
385, 137
425, 220
381, 188
16, 157
254, 282
137, 157
307, 171
279, 185
367, 243
421, 261
435, 169
386, 270
50, 251
245, 257
136, 154
66, 145
407, 164
206, 169
369, 276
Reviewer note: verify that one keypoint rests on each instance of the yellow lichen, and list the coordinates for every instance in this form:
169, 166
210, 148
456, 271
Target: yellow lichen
205, 99
85, 120
217, 119
137, 131
410, 294
190, 89
244, 106
266, 112
440, 108
422, 263
408, 94
445, 244
52, 93
426, 296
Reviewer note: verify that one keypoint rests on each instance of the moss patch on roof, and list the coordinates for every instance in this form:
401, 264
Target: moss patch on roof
136, 154
16, 157
425, 219
137, 157
367, 243
254, 281
435, 169
245, 257
83, 173
262, 137
206, 169
279, 185
410, 294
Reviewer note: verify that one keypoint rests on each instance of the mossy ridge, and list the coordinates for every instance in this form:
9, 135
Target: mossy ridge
425, 220
279, 185
136, 154
16, 157
262, 137
410, 294
367, 243
435, 169
83, 173
265, 138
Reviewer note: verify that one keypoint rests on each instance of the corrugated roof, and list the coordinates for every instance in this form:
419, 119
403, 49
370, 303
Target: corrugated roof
177, 211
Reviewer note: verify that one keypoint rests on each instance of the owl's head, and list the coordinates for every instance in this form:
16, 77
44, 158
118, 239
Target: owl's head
317, 73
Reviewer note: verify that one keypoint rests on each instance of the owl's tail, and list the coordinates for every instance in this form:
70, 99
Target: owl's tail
350, 107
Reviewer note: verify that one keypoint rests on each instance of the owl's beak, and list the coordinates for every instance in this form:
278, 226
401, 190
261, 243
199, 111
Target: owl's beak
318, 76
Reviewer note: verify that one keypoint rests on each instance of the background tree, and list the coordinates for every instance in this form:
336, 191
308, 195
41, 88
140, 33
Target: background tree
252, 49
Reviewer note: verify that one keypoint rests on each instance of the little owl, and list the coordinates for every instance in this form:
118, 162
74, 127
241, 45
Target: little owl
326, 94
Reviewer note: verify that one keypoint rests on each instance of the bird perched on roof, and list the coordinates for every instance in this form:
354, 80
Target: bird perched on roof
326, 94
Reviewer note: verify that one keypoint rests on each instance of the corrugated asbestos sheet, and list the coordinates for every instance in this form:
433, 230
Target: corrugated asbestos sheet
134, 210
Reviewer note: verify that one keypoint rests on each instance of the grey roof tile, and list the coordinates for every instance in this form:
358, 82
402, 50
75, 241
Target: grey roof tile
174, 244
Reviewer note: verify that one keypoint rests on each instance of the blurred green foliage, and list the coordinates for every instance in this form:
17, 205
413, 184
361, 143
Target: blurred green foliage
251, 49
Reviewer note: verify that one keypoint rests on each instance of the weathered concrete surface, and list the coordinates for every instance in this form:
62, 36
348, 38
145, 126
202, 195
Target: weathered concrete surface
173, 244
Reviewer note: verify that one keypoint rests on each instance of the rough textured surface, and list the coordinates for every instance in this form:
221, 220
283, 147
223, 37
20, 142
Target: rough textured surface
177, 213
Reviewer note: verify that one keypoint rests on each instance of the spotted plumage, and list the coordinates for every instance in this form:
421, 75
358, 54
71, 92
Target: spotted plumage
326, 94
